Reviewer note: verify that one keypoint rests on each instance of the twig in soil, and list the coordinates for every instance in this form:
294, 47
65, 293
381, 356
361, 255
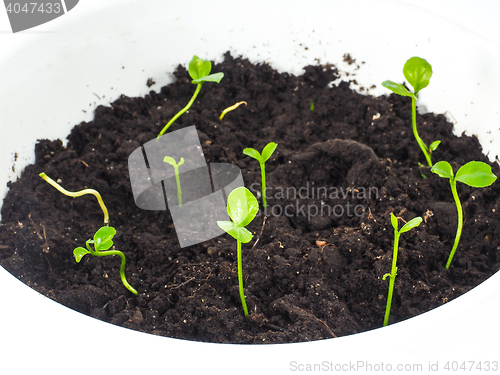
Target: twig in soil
181, 284
45, 246
81, 161
260, 234
274, 327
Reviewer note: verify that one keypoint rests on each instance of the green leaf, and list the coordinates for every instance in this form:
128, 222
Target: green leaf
394, 221
216, 77
434, 145
103, 238
180, 162
397, 88
415, 222
169, 160
79, 252
476, 174
443, 169
268, 151
253, 153
199, 68
417, 72
242, 206
386, 276
239, 233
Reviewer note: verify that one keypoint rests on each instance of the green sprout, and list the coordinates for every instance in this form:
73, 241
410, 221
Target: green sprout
417, 72
103, 240
199, 70
475, 174
78, 194
266, 154
242, 207
311, 107
231, 108
176, 166
415, 222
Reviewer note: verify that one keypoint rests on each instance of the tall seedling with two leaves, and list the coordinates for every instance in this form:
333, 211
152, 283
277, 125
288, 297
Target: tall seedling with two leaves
475, 174
199, 70
176, 166
266, 154
417, 72
415, 222
242, 207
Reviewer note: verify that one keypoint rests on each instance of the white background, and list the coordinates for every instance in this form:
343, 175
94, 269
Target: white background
481, 16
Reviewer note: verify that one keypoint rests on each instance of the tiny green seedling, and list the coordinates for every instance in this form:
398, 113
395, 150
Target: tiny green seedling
103, 240
266, 154
199, 70
417, 72
415, 222
311, 107
475, 174
242, 207
176, 166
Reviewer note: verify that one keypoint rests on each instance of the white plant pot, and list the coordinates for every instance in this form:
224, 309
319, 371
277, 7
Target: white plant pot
100, 50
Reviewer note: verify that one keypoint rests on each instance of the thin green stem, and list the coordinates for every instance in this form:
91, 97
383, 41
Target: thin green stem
263, 175
453, 185
198, 88
122, 267
240, 279
421, 143
78, 194
178, 181
394, 271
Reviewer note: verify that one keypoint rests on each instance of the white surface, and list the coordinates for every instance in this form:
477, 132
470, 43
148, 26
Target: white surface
70, 54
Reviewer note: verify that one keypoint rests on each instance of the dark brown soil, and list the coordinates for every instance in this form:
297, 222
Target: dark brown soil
297, 289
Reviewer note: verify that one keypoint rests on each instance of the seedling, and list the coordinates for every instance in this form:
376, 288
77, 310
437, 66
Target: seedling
417, 72
103, 240
311, 107
415, 222
78, 194
242, 207
266, 154
176, 166
199, 70
231, 108
475, 174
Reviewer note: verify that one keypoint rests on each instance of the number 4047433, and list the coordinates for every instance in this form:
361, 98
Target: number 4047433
33, 7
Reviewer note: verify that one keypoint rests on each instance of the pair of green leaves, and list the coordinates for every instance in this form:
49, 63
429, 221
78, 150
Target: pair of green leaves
266, 152
474, 173
242, 207
199, 70
172, 162
415, 222
417, 72
103, 240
